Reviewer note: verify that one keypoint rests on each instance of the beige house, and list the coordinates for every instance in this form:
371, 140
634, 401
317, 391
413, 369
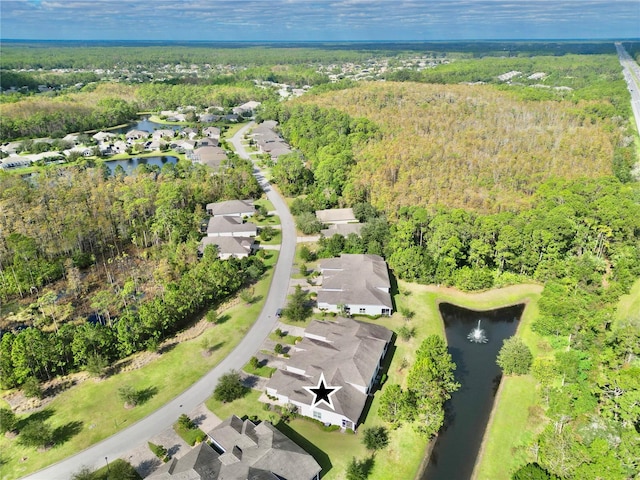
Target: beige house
347, 354
355, 284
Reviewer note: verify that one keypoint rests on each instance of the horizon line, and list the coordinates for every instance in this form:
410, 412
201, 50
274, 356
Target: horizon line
579, 39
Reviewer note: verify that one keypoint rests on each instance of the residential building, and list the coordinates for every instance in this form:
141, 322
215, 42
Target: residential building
230, 226
355, 284
343, 229
346, 354
237, 247
231, 208
243, 450
336, 215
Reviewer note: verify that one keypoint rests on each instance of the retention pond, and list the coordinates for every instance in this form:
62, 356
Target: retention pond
474, 340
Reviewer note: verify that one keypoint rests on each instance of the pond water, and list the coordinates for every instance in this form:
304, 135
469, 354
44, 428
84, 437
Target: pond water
468, 411
130, 164
146, 125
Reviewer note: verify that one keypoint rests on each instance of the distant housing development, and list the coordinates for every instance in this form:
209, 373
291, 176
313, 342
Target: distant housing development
355, 284
348, 354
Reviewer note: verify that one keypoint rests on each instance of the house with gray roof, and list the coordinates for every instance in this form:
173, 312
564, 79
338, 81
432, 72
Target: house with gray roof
230, 226
243, 450
211, 132
208, 155
163, 133
347, 354
228, 247
342, 229
355, 284
246, 108
232, 208
336, 215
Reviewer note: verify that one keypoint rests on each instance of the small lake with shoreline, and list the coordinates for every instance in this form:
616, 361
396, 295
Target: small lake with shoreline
467, 413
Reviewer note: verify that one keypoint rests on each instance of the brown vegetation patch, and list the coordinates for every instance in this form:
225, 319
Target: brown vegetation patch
467, 146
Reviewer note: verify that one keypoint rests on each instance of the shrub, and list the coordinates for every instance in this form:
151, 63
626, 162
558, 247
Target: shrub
185, 422
375, 438
159, 451
278, 348
229, 387
31, 388
128, 395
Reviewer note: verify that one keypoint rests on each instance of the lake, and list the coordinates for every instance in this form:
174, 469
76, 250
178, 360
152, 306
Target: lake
467, 413
130, 164
146, 125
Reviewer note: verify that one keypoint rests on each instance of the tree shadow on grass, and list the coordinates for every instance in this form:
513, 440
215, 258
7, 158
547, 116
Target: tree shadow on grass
146, 394
40, 416
319, 455
64, 433
222, 319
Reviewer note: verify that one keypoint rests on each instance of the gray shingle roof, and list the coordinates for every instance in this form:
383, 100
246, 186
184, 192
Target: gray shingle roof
237, 246
333, 215
343, 229
231, 207
355, 279
346, 351
252, 452
224, 224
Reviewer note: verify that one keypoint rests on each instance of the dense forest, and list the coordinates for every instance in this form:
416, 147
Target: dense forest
48, 55
459, 145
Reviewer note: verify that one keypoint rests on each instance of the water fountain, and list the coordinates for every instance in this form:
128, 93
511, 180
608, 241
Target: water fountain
477, 335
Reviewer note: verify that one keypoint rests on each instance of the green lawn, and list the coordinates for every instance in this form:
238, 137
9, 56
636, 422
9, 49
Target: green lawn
629, 304
93, 406
189, 435
511, 426
263, 371
287, 339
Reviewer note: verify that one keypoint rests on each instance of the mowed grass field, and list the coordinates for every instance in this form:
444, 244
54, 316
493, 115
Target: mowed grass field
94, 408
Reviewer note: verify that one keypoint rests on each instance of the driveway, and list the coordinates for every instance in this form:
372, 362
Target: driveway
141, 432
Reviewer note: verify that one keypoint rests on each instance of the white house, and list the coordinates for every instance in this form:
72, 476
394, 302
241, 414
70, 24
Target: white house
237, 247
355, 284
231, 208
347, 355
226, 226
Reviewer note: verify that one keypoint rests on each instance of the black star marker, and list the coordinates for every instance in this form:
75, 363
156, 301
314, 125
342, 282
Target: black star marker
322, 392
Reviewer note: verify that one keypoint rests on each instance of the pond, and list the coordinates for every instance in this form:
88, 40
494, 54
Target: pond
130, 164
146, 125
467, 413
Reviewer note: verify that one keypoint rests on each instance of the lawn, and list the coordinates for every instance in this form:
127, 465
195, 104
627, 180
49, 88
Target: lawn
629, 305
189, 435
286, 339
94, 409
262, 371
511, 426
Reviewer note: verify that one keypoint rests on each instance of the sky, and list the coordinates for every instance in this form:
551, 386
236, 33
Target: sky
318, 20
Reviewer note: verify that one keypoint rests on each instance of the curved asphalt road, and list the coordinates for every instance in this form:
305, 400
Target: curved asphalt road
138, 433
